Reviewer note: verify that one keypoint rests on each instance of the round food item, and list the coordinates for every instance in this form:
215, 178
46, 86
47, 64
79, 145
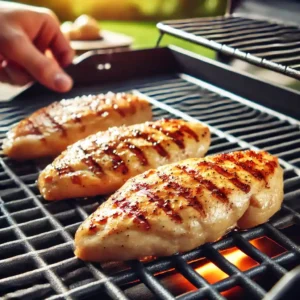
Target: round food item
83, 28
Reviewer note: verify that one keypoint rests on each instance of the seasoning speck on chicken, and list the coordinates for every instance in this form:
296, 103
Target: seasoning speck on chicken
101, 163
49, 130
183, 205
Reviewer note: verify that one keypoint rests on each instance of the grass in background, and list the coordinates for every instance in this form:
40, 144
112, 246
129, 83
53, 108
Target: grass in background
146, 34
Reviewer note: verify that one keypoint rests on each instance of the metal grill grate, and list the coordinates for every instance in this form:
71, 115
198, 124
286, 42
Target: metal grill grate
36, 237
267, 44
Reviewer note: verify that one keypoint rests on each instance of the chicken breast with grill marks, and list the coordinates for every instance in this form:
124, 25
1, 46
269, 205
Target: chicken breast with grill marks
181, 206
48, 131
101, 163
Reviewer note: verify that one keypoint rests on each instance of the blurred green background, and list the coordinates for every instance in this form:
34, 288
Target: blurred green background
138, 18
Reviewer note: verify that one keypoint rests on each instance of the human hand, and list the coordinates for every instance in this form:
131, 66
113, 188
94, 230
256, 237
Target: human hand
28, 34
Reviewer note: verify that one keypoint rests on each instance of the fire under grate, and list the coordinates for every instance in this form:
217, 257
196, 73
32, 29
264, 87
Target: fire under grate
268, 44
36, 236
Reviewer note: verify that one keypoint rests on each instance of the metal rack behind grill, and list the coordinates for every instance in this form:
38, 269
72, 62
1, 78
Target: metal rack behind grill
267, 44
36, 236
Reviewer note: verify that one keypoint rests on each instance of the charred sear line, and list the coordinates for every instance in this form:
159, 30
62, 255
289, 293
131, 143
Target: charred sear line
32, 128
249, 165
216, 192
158, 201
55, 124
184, 192
138, 153
96, 106
178, 135
190, 132
132, 105
233, 178
132, 210
66, 170
91, 163
63, 170
116, 107
155, 144
117, 161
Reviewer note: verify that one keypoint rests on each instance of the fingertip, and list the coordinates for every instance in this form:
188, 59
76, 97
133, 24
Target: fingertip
62, 82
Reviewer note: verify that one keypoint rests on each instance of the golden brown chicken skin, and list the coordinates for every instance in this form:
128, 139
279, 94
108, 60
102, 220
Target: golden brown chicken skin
48, 131
180, 206
101, 163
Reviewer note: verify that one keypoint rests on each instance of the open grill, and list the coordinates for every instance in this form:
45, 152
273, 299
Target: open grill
269, 44
36, 236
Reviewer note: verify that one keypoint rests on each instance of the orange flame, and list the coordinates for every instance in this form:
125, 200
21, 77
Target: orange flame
178, 284
213, 274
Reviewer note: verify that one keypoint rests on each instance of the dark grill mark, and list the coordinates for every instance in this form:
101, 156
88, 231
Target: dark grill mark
132, 105
98, 109
155, 144
132, 210
92, 226
65, 170
177, 136
101, 220
32, 128
76, 118
218, 193
184, 192
116, 107
117, 161
138, 153
55, 124
249, 165
88, 160
233, 178
159, 202
271, 165
190, 132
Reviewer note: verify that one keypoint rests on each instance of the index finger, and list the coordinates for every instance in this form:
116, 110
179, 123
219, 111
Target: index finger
36, 63
51, 37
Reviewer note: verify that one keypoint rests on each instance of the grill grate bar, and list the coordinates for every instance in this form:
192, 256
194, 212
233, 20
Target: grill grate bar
216, 31
243, 38
150, 281
259, 256
214, 130
252, 287
183, 100
188, 272
39, 261
114, 291
281, 238
24, 276
81, 291
32, 253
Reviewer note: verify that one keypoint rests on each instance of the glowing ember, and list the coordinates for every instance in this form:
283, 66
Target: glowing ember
177, 284
213, 274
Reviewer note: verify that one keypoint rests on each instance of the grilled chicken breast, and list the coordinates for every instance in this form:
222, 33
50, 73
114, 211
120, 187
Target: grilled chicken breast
101, 163
48, 131
181, 206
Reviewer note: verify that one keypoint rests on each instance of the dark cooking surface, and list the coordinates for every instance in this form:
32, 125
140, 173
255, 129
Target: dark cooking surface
36, 237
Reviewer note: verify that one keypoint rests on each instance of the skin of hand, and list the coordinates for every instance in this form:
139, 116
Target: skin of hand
32, 47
